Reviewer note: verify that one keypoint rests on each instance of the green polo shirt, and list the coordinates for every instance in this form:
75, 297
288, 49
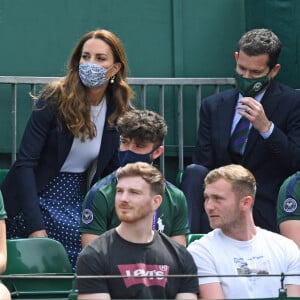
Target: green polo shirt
98, 213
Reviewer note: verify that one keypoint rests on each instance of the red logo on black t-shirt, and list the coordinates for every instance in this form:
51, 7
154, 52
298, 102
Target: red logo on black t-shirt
147, 275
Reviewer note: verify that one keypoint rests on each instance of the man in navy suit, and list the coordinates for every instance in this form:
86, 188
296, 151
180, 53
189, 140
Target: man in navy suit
272, 147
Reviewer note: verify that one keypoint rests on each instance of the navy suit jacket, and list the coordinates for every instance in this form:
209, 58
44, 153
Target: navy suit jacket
270, 160
43, 150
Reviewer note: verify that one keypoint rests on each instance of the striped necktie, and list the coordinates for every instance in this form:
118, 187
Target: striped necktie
239, 136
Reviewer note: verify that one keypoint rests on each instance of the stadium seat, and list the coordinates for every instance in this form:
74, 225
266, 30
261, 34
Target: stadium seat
178, 178
42, 258
193, 236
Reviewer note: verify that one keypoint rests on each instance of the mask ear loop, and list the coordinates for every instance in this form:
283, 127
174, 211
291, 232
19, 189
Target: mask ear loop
153, 150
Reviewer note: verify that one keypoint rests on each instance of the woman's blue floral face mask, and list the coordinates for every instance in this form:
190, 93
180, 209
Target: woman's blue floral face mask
92, 75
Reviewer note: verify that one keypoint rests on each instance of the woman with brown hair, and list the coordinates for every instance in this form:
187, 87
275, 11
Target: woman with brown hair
70, 141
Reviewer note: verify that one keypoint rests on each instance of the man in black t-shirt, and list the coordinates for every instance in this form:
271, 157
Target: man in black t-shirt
139, 259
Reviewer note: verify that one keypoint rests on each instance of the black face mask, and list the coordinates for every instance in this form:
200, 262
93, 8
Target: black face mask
128, 156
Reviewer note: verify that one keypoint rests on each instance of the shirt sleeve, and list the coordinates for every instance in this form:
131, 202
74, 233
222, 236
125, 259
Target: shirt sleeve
190, 283
293, 267
87, 264
180, 224
95, 211
265, 135
287, 206
204, 262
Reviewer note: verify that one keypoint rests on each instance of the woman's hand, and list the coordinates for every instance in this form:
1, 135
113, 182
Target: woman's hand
38, 234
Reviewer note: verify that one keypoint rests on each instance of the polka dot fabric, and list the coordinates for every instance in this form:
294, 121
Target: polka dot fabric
61, 204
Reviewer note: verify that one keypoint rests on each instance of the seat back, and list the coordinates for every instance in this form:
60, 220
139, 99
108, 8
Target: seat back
178, 179
41, 258
193, 236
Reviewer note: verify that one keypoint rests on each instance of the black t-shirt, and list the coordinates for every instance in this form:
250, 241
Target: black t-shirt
111, 255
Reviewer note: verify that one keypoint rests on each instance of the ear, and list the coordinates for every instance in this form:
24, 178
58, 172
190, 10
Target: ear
246, 203
236, 56
116, 68
275, 70
158, 152
157, 200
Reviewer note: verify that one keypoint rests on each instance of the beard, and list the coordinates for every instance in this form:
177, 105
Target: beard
132, 215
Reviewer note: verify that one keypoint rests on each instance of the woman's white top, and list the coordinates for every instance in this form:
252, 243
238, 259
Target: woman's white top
82, 154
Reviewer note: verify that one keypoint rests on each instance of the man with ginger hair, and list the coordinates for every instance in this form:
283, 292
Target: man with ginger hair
133, 249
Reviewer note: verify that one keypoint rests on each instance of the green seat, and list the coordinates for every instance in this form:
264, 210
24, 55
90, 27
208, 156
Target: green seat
40, 258
178, 178
193, 236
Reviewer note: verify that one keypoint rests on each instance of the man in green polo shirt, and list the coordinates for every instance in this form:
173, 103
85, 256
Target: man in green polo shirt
288, 208
141, 137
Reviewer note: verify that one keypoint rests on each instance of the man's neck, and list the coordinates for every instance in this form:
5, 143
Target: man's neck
244, 231
136, 233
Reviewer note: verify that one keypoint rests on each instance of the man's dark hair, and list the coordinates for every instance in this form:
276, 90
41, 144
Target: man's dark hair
261, 41
143, 126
